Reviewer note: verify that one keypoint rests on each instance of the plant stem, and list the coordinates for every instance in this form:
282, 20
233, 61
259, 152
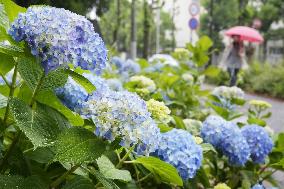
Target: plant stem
11, 93
59, 180
5, 80
36, 90
125, 157
9, 151
144, 178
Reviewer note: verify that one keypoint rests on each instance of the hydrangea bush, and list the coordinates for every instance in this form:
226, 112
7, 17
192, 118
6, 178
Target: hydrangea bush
71, 119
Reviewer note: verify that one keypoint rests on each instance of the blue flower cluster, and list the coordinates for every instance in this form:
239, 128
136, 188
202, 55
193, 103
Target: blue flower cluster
60, 37
259, 142
73, 95
227, 137
258, 186
237, 144
126, 67
178, 148
114, 84
124, 115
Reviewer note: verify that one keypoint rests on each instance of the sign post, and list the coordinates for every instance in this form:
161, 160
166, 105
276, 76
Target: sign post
193, 22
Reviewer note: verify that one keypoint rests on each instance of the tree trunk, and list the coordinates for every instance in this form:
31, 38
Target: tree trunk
116, 31
173, 26
133, 45
211, 29
146, 31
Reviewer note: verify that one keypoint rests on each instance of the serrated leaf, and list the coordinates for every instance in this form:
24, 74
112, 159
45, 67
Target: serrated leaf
17, 182
78, 145
49, 98
30, 71
6, 63
254, 120
79, 182
4, 21
54, 79
11, 50
165, 171
164, 128
37, 125
109, 171
3, 101
204, 43
12, 9
41, 155
107, 183
89, 87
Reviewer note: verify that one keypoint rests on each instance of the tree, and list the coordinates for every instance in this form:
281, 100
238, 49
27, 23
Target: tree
220, 15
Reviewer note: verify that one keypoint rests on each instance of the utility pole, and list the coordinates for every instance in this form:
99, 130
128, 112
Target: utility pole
133, 45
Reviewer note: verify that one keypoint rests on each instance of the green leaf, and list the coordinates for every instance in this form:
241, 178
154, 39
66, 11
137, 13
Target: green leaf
49, 98
211, 71
11, 50
164, 128
12, 9
109, 171
3, 101
79, 182
143, 63
78, 145
89, 87
41, 155
6, 64
54, 79
17, 182
4, 21
280, 142
254, 120
179, 122
41, 128
207, 147
205, 43
107, 183
165, 171
202, 176
30, 71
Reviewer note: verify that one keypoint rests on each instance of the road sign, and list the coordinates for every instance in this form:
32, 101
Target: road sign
194, 9
193, 23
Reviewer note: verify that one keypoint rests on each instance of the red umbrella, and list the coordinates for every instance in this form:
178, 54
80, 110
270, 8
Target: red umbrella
246, 33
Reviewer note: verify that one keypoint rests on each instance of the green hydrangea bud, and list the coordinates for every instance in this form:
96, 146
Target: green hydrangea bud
221, 186
159, 111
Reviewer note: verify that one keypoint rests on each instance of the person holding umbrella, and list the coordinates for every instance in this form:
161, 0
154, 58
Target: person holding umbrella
234, 57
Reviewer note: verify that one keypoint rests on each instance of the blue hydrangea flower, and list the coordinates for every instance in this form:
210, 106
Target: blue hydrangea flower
114, 84
212, 130
122, 115
73, 94
258, 186
178, 148
259, 142
126, 67
60, 37
226, 137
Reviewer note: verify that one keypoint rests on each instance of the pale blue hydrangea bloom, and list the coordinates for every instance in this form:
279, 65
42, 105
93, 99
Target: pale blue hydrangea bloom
123, 115
178, 148
258, 186
128, 67
226, 137
259, 142
60, 37
73, 94
114, 84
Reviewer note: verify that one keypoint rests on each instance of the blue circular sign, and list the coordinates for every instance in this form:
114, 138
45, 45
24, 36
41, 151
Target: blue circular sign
193, 23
